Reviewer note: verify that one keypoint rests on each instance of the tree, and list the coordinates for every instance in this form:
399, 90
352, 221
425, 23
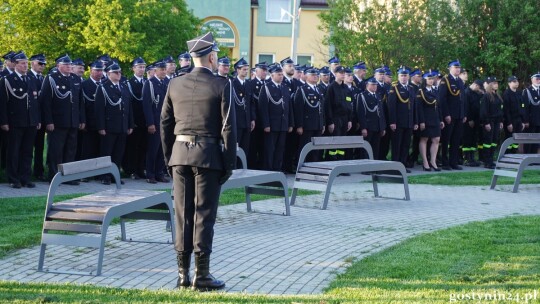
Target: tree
124, 29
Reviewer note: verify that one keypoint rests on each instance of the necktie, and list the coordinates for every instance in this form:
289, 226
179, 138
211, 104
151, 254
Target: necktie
23, 77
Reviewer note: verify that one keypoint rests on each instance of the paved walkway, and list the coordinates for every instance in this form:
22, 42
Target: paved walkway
264, 252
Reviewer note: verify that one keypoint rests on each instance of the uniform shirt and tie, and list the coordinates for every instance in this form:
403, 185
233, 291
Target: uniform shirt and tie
401, 109
308, 115
452, 105
244, 116
371, 117
153, 95
89, 137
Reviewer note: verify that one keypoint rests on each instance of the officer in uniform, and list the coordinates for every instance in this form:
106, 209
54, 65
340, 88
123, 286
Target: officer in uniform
382, 91
324, 75
134, 161
153, 95
197, 115
514, 110
471, 129
62, 114
150, 71
224, 66
245, 119
309, 113
8, 69
171, 68
35, 75
255, 156
359, 70
77, 68
338, 111
371, 115
20, 118
292, 140
491, 119
89, 136
276, 118
453, 111
415, 82
9, 64
114, 116
401, 118
184, 62
532, 96
334, 63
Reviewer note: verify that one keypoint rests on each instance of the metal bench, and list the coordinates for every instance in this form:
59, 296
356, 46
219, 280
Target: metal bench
92, 214
258, 182
320, 175
513, 165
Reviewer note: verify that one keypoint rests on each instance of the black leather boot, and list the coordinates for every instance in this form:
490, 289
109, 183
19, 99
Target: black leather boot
203, 280
184, 260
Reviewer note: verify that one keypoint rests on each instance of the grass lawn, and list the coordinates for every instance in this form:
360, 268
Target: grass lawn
483, 259
479, 178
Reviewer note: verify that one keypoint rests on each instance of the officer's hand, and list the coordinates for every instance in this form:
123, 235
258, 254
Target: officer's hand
38, 126
225, 177
252, 125
267, 129
170, 171
510, 128
102, 132
442, 125
448, 119
393, 127
323, 129
331, 128
49, 127
129, 131
151, 129
81, 126
471, 123
415, 127
299, 130
464, 119
422, 126
364, 132
501, 126
522, 126
383, 133
289, 130
487, 127
349, 125
4, 127
526, 125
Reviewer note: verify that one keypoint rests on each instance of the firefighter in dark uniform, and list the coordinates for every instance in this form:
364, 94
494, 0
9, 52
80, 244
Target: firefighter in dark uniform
276, 118
359, 70
324, 75
532, 96
153, 95
35, 75
491, 119
245, 122
292, 140
382, 91
184, 63
114, 116
334, 63
62, 114
338, 111
471, 129
401, 116
415, 80
309, 113
451, 88
20, 117
9, 64
224, 66
371, 116
197, 115
8, 69
514, 111
256, 142
134, 161
89, 136
429, 121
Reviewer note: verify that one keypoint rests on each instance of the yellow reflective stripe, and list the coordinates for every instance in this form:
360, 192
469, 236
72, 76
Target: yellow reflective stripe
493, 145
487, 146
340, 152
332, 153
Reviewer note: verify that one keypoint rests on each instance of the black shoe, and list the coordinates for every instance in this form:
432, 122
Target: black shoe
41, 178
135, 176
203, 280
426, 169
162, 179
407, 170
184, 261
29, 185
456, 167
106, 181
121, 182
409, 165
15, 185
435, 168
345, 174
489, 166
447, 168
151, 181
72, 183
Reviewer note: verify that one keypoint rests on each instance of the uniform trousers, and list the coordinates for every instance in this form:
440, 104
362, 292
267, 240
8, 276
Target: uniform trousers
113, 145
289, 162
89, 144
374, 140
134, 161
19, 152
340, 129
155, 162
413, 157
242, 138
274, 147
450, 142
490, 140
39, 146
3, 148
196, 197
303, 140
256, 147
384, 145
401, 141
61, 148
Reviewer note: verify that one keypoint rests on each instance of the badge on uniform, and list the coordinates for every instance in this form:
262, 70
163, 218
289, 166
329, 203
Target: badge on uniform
240, 94
63, 87
21, 89
35, 93
58, 87
348, 98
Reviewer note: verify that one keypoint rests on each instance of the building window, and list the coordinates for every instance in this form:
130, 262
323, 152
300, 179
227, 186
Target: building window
275, 11
304, 59
268, 58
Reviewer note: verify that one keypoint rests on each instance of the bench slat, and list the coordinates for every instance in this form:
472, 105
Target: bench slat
527, 136
84, 165
320, 178
505, 173
83, 228
507, 165
518, 156
141, 215
75, 216
312, 170
337, 140
81, 208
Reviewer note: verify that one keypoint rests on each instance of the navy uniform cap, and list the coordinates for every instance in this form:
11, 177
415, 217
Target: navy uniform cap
275, 69
185, 56
372, 80
168, 59
479, 82
224, 60
262, 65
311, 70
403, 71
360, 66
512, 78
113, 67
159, 64
39, 58
324, 70
63, 59
150, 67
437, 73
240, 63
340, 69
454, 63
97, 65
491, 79
429, 74
536, 75
463, 70
285, 61
7, 56
348, 71
78, 61
104, 57
416, 72
138, 61
387, 70
333, 60
380, 70
19, 56
202, 45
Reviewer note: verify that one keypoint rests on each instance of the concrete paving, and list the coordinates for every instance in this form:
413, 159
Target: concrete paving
268, 253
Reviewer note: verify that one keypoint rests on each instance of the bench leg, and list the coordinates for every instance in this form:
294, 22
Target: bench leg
286, 198
374, 180
104, 228
493, 181
517, 181
122, 230
327, 193
406, 187
248, 198
293, 196
41, 260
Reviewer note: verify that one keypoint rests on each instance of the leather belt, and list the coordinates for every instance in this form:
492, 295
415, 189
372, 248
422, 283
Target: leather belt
198, 139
